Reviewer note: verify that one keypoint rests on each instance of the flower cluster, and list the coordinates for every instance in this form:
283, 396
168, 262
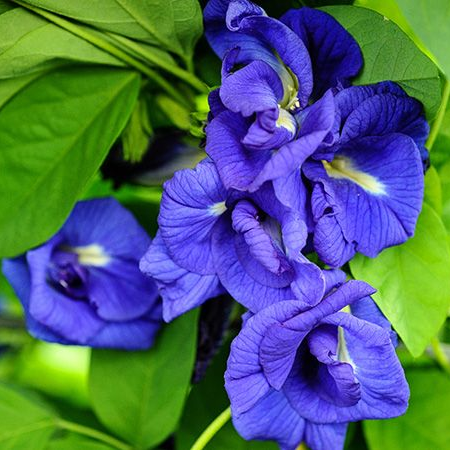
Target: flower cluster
299, 161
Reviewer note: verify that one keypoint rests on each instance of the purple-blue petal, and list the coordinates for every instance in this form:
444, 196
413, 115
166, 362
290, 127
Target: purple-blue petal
335, 55
192, 202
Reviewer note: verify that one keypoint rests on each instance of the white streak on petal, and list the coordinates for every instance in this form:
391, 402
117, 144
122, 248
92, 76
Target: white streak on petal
286, 120
217, 209
342, 168
91, 255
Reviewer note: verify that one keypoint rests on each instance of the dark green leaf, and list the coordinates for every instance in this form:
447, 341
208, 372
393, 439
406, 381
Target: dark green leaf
54, 135
144, 395
426, 424
430, 21
25, 424
413, 281
30, 44
137, 133
389, 54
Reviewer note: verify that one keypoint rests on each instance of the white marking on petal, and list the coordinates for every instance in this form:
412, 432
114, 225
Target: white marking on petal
91, 255
342, 168
286, 120
342, 351
217, 209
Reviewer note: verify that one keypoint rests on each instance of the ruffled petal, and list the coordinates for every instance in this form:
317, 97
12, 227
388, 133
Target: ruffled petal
383, 388
192, 202
317, 122
96, 221
272, 418
326, 436
120, 292
254, 88
335, 55
374, 192
180, 289
238, 166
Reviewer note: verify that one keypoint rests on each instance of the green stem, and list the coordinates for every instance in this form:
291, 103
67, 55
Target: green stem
167, 66
95, 434
440, 355
212, 430
106, 46
440, 116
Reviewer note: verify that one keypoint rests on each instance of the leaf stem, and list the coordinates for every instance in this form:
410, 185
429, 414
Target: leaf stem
440, 355
107, 47
171, 68
440, 116
95, 434
212, 430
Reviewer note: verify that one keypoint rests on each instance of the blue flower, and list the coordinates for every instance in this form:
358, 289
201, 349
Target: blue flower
262, 126
298, 375
211, 238
84, 286
366, 189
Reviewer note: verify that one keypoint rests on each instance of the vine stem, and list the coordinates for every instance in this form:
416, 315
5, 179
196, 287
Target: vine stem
440, 116
212, 430
107, 47
95, 434
440, 355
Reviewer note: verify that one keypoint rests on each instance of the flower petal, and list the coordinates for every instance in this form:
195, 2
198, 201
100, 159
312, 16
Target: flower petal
335, 55
180, 289
374, 192
192, 202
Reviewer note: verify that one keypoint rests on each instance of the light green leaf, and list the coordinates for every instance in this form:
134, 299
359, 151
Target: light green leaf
175, 112
30, 44
74, 442
389, 54
24, 424
433, 190
430, 21
413, 281
426, 424
55, 133
144, 395
174, 24
444, 172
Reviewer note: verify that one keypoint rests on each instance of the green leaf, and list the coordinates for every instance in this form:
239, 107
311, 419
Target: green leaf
426, 424
144, 395
433, 190
9, 88
55, 133
389, 54
137, 133
30, 44
6, 6
413, 281
444, 173
175, 112
74, 442
430, 21
25, 424
174, 24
